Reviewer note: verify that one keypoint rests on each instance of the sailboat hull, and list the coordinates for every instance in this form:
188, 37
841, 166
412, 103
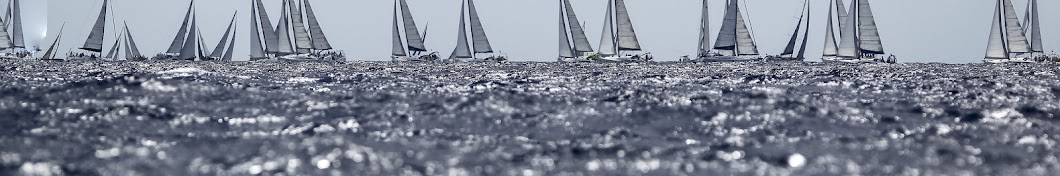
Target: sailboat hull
574, 59
1010, 60
416, 58
729, 59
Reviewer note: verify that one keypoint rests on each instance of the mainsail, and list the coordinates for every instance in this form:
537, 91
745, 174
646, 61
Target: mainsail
627, 37
704, 31
735, 37
478, 34
218, 51
5, 39
868, 35
256, 50
272, 44
282, 31
830, 48
841, 11
847, 40
995, 48
565, 51
399, 46
412, 35
131, 51
320, 42
231, 47
1035, 27
50, 54
1017, 41
17, 25
178, 41
581, 42
190, 51
607, 40
302, 42
461, 50
95, 38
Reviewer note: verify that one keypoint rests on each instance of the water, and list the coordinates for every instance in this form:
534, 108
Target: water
380, 118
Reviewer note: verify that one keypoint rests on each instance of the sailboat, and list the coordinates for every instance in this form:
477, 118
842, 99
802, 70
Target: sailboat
1007, 38
577, 35
219, 52
292, 39
789, 53
735, 41
618, 35
187, 44
132, 53
859, 40
413, 41
50, 54
94, 44
704, 49
14, 46
479, 43
1033, 29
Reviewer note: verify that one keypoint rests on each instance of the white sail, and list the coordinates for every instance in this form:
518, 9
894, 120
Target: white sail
577, 32
1035, 28
1017, 41
7, 14
95, 38
627, 37
412, 35
565, 50
320, 42
830, 48
256, 50
282, 31
231, 47
17, 26
190, 51
995, 48
50, 54
131, 51
399, 46
272, 41
478, 34
745, 44
704, 31
727, 34
203, 50
5, 38
178, 41
114, 48
302, 42
607, 38
868, 34
841, 11
848, 43
462, 50
218, 51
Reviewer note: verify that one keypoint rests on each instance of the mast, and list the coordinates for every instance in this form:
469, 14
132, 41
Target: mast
94, 42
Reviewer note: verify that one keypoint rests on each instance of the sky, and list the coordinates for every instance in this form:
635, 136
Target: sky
948, 31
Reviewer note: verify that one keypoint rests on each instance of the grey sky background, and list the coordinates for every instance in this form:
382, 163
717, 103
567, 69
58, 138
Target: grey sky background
950, 31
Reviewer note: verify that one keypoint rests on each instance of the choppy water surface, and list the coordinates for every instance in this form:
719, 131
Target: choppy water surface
380, 118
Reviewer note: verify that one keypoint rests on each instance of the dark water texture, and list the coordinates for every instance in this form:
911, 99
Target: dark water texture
381, 118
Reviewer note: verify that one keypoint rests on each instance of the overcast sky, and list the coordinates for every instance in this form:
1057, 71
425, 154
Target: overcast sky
951, 31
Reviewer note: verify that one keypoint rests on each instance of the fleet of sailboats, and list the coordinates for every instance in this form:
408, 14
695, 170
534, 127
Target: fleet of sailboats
1009, 40
851, 36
